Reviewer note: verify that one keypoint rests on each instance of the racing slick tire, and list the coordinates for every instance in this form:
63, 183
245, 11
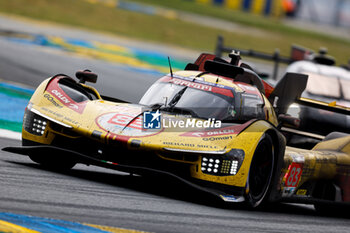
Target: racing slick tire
53, 162
260, 172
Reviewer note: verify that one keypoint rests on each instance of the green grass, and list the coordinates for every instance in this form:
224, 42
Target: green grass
218, 12
175, 32
272, 24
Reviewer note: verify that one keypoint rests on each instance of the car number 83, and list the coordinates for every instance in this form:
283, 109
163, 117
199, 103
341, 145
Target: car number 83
294, 174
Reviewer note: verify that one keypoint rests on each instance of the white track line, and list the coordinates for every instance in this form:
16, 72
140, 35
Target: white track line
4, 133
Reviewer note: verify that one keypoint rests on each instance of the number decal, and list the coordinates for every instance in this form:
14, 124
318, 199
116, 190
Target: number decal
293, 175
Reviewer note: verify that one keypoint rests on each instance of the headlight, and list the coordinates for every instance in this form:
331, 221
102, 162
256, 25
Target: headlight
34, 123
226, 165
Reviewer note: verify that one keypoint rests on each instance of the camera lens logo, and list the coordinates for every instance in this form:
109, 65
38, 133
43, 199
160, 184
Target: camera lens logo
151, 120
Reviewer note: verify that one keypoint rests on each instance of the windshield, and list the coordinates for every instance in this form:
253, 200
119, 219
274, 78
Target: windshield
345, 84
201, 103
198, 103
327, 86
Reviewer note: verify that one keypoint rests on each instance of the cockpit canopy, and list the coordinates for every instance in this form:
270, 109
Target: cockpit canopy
177, 95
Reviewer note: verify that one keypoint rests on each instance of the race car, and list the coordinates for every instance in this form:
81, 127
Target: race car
326, 83
215, 126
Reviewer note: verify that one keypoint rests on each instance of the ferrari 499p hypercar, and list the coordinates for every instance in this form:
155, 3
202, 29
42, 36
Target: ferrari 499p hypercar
213, 125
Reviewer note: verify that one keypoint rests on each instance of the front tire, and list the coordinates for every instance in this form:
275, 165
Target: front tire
260, 172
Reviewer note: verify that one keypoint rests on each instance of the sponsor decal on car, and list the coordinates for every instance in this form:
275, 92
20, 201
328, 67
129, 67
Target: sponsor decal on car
231, 198
217, 138
179, 144
199, 84
236, 129
122, 120
288, 191
190, 145
211, 133
123, 123
301, 192
60, 116
220, 132
191, 84
62, 97
51, 99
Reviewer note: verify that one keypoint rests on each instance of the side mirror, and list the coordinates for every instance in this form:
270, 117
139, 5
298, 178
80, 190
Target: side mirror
288, 121
86, 76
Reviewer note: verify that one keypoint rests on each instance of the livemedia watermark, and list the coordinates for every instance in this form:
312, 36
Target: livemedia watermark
154, 120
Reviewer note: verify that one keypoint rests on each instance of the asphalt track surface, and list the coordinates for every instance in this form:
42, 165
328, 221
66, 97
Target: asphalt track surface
105, 197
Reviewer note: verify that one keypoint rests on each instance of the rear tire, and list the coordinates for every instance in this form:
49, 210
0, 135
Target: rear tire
260, 172
53, 162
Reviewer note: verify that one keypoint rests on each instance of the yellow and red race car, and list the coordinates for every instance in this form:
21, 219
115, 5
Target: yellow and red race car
213, 125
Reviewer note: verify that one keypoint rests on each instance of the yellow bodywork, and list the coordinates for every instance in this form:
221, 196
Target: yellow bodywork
320, 163
327, 161
85, 124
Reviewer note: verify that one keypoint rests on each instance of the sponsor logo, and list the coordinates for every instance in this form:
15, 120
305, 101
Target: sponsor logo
217, 138
60, 96
64, 99
191, 84
51, 99
179, 144
123, 124
190, 145
199, 84
288, 191
211, 133
231, 198
122, 120
301, 192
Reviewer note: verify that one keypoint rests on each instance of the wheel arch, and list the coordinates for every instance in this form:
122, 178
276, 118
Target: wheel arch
279, 143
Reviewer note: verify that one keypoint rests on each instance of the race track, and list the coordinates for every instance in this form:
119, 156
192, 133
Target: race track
30, 65
99, 196
105, 197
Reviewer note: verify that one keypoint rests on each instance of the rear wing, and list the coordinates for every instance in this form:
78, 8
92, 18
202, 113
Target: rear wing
287, 91
297, 53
